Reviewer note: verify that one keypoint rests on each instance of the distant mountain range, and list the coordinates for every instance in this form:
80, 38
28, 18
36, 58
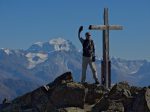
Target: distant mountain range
24, 70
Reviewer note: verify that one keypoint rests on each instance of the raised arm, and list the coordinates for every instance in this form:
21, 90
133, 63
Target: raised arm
79, 32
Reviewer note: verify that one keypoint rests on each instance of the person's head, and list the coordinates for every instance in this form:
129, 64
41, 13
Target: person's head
88, 35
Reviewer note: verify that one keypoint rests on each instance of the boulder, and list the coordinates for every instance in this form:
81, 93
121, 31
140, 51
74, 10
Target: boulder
64, 78
106, 105
93, 93
119, 91
64, 95
102, 105
36, 100
116, 100
68, 95
115, 106
41, 99
122, 92
142, 101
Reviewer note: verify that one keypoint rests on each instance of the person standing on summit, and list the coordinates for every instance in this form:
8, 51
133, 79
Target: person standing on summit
88, 55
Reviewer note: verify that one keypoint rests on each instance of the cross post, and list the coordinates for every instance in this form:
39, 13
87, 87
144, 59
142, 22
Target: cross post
105, 63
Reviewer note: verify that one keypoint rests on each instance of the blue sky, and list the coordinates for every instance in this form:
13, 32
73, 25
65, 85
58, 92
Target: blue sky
24, 22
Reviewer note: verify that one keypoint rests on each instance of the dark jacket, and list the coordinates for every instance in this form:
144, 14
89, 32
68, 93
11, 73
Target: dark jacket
88, 47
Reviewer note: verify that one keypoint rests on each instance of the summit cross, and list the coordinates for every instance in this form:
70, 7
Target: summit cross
106, 63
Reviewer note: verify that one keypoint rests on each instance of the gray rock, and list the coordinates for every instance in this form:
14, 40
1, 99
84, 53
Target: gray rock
115, 106
64, 78
64, 95
119, 91
42, 99
142, 101
118, 99
106, 105
68, 95
93, 93
102, 105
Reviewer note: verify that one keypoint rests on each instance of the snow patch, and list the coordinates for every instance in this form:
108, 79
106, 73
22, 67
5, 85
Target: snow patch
36, 58
133, 72
39, 44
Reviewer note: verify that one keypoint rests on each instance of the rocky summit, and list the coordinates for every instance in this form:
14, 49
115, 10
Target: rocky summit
65, 95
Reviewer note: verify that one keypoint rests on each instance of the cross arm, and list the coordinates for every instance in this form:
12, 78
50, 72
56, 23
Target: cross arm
105, 27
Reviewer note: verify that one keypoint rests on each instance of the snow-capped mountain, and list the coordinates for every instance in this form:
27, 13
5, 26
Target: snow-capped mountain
24, 70
53, 45
40, 51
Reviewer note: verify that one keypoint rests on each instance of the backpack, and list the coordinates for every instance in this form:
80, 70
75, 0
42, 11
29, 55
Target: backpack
88, 48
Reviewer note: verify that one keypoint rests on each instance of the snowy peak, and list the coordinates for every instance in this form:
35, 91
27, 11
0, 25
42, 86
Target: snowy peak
60, 44
6, 51
39, 52
40, 44
57, 44
11, 52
